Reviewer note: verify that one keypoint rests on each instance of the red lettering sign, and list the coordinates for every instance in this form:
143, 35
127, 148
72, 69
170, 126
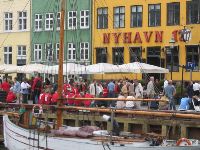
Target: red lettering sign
147, 37
106, 38
127, 37
116, 37
158, 36
137, 38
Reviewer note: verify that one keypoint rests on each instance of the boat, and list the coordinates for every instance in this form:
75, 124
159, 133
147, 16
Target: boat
18, 137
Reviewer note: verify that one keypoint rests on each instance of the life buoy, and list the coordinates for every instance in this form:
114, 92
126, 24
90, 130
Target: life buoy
36, 114
184, 141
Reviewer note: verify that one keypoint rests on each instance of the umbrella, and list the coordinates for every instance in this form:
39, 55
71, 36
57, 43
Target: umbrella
137, 67
8, 68
31, 68
69, 68
99, 68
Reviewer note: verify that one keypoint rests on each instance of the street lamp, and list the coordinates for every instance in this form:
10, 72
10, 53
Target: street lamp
172, 42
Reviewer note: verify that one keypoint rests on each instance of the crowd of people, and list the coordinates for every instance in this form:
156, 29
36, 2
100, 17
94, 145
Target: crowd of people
40, 92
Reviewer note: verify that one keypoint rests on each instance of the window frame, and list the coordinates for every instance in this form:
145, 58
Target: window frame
57, 50
48, 51
85, 17
120, 61
119, 16
104, 18
100, 57
175, 57
23, 20
58, 17
72, 51
138, 53
49, 20
155, 22
192, 4
39, 21
9, 21
72, 27
38, 51
174, 13
198, 55
7, 54
131, 19
84, 49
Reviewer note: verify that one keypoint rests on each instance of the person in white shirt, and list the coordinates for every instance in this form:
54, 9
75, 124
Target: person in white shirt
120, 104
165, 84
138, 94
25, 91
130, 104
196, 88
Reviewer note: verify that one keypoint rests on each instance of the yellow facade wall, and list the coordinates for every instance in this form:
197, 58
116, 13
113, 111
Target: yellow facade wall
15, 37
167, 34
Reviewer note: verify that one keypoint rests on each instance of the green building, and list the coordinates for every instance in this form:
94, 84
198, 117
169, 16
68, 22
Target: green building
45, 30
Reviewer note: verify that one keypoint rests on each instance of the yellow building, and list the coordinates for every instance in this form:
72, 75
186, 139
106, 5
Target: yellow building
15, 32
149, 31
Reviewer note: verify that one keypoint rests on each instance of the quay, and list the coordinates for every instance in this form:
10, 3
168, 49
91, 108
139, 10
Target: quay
169, 124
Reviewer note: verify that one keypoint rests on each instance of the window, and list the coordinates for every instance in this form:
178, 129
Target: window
49, 52
21, 56
136, 16
38, 22
101, 55
84, 50
22, 20
135, 54
71, 51
8, 21
58, 20
37, 52
72, 20
84, 19
8, 55
119, 17
118, 56
193, 56
172, 58
193, 12
57, 50
102, 18
49, 21
154, 15
173, 14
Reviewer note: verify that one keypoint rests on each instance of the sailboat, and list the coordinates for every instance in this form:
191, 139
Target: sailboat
19, 138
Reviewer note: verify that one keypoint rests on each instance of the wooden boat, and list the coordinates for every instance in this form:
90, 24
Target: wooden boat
18, 138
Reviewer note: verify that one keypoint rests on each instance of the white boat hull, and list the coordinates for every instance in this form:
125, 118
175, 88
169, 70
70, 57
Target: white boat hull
17, 138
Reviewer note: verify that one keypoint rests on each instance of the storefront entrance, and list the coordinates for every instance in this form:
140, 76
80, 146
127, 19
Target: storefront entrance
153, 58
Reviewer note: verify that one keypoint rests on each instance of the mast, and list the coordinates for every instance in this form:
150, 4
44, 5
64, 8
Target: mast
60, 71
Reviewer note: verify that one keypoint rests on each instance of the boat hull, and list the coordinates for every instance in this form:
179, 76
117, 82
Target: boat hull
17, 138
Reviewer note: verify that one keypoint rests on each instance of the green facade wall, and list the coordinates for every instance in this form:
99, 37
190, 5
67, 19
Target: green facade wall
75, 36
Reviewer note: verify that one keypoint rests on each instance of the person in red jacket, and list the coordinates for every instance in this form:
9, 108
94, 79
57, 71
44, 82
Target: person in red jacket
87, 103
78, 102
11, 97
41, 98
5, 86
70, 102
54, 98
47, 98
36, 88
